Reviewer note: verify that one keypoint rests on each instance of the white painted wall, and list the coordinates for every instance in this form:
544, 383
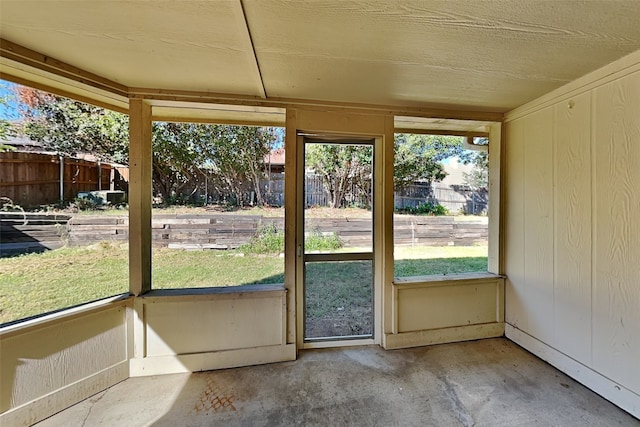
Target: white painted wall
572, 234
204, 329
437, 311
51, 364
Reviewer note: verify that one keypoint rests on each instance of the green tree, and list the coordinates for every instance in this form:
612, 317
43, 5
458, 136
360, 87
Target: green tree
478, 178
183, 153
237, 157
342, 167
71, 127
416, 158
188, 153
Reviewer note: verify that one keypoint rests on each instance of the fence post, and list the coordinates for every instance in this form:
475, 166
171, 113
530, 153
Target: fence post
61, 178
99, 175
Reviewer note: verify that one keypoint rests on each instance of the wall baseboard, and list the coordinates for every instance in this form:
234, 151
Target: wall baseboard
54, 402
443, 335
615, 393
182, 363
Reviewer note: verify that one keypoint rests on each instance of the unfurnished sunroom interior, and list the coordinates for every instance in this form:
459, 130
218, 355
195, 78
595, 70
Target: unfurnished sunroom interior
555, 86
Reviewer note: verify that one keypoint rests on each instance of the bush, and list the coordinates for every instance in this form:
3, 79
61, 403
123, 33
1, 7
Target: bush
317, 241
426, 209
270, 240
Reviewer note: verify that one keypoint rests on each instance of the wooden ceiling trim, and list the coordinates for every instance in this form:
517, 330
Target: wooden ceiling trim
21, 54
443, 132
115, 106
223, 98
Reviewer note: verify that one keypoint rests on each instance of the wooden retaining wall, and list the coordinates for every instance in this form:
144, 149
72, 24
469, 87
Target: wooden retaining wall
24, 233
177, 231
227, 231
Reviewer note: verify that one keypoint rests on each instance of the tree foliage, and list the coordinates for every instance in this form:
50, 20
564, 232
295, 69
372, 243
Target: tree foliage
343, 167
478, 178
186, 156
71, 127
416, 158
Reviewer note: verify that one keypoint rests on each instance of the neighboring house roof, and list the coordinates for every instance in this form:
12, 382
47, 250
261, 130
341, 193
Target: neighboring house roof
275, 157
24, 144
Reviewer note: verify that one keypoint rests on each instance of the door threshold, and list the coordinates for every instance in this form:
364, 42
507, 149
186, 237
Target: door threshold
337, 343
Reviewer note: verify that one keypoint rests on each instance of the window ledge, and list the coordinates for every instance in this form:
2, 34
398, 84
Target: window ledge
435, 279
226, 290
63, 314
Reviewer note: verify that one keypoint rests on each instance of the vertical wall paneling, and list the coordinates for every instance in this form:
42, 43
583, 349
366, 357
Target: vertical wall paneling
616, 265
538, 223
515, 312
572, 230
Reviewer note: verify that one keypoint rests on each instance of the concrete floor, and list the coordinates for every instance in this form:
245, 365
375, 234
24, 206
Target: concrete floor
482, 383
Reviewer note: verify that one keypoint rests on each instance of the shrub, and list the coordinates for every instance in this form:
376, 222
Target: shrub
317, 241
426, 209
268, 239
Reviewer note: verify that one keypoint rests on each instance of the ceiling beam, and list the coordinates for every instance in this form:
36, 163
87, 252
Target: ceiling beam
426, 111
242, 18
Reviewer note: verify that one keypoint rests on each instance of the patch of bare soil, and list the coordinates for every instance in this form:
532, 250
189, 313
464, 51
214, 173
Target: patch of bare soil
354, 321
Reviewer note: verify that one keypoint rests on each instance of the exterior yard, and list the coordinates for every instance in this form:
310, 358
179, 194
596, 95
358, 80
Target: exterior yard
38, 283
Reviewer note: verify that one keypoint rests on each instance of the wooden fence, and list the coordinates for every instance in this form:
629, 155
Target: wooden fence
457, 199
34, 179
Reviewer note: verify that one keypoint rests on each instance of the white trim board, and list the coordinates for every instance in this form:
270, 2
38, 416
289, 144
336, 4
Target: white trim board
213, 360
615, 393
443, 335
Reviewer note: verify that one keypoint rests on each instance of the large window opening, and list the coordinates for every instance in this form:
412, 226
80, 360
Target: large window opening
440, 205
218, 205
63, 203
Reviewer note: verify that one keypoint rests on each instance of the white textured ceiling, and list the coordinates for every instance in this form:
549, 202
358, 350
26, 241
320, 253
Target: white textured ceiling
475, 54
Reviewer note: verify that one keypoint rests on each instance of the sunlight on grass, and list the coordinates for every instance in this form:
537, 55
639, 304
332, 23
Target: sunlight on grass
38, 283
197, 269
439, 260
419, 252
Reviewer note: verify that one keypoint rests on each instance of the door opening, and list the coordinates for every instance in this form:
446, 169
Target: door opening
337, 257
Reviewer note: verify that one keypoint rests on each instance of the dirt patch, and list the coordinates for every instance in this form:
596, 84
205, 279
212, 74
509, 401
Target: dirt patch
355, 321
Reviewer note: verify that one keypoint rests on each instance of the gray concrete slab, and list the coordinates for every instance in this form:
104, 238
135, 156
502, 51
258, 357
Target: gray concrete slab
483, 383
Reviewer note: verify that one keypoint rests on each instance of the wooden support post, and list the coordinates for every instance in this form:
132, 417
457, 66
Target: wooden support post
290, 221
140, 158
495, 264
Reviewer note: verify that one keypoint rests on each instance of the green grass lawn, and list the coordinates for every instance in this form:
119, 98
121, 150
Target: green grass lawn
38, 283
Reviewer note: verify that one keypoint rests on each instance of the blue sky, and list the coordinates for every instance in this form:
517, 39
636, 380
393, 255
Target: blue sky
9, 106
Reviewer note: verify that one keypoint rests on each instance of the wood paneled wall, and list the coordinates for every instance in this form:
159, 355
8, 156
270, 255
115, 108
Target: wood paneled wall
572, 236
